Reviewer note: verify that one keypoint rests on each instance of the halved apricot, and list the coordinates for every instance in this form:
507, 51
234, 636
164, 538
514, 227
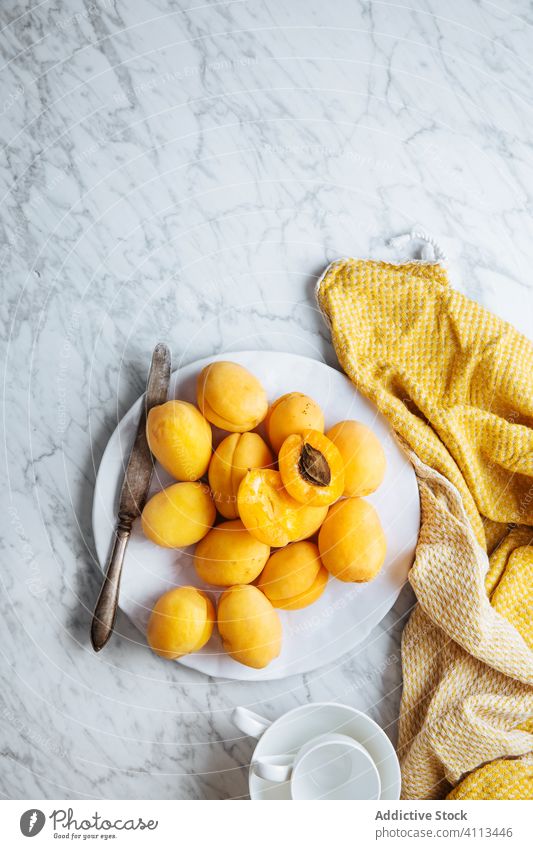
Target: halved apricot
270, 514
311, 468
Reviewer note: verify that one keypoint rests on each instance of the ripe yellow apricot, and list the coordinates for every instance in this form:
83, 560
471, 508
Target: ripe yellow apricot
308, 596
362, 454
294, 577
229, 554
236, 455
180, 438
310, 521
270, 513
292, 413
231, 397
351, 541
179, 515
249, 626
311, 468
181, 622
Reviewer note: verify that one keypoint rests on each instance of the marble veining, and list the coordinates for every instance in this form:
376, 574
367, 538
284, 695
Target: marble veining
182, 171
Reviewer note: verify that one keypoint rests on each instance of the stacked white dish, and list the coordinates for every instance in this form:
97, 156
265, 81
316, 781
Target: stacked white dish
320, 751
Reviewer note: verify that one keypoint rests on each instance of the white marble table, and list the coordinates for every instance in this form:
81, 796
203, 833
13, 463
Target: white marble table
182, 172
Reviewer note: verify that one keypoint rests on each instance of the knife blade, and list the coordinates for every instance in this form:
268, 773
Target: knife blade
140, 465
133, 494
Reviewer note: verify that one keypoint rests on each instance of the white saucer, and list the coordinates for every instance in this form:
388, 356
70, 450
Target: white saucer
298, 726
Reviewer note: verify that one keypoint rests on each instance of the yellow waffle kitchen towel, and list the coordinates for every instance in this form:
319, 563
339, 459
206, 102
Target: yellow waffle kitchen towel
456, 383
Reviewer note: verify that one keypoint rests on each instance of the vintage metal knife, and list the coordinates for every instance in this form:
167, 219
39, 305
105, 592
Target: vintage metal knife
132, 499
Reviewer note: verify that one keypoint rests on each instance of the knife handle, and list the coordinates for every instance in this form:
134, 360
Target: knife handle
106, 607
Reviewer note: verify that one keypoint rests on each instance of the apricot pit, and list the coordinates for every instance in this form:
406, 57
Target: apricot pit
311, 468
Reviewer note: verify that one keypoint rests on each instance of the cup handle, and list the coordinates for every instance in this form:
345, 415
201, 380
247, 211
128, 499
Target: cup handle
250, 723
273, 767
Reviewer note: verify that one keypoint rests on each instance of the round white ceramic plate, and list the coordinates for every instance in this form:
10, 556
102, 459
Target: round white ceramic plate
346, 613
295, 728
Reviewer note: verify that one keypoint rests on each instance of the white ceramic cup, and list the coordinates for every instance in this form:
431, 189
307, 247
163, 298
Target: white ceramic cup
330, 766
327, 766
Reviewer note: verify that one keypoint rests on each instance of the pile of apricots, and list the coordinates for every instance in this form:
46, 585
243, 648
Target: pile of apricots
271, 520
